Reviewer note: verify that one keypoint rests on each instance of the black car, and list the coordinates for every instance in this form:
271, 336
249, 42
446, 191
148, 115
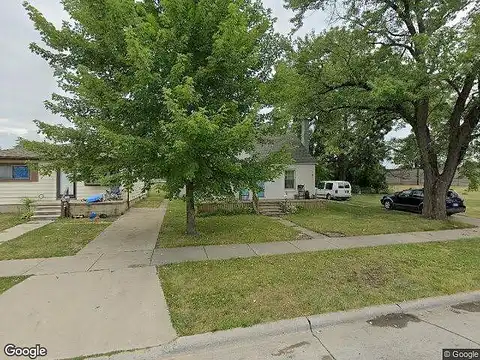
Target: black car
412, 200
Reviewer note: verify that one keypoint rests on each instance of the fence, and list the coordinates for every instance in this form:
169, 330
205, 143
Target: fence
409, 177
225, 207
307, 204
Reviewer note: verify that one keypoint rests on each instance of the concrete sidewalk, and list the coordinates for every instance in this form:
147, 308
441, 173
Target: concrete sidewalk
86, 313
165, 256
19, 230
135, 231
73, 307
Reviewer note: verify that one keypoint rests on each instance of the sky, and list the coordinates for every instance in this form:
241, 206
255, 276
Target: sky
27, 80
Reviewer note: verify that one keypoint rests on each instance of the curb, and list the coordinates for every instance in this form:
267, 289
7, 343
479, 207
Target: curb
344, 317
206, 341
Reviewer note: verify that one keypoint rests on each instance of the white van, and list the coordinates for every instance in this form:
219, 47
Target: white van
341, 190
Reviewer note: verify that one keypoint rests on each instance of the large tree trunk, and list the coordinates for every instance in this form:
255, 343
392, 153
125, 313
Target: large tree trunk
418, 175
342, 168
435, 193
190, 203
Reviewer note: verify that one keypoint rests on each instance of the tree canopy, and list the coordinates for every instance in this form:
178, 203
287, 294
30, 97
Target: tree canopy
412, 61
159, 89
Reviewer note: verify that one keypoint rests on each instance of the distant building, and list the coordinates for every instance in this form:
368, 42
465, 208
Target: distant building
409, 177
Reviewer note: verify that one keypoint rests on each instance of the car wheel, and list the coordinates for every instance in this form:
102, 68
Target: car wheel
420, 209
388, 204
329, 197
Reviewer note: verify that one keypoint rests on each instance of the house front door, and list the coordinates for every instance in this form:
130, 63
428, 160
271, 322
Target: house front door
65, 186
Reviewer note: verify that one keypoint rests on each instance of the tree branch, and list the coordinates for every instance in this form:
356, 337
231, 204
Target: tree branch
396, 44
355, 84
458, 109
453, 85
404, 16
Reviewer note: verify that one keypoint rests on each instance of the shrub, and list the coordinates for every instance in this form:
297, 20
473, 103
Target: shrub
289, 208
27, 208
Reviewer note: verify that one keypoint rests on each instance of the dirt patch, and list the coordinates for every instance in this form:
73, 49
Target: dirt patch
374, 276
333, 234
394, 320
290, 349
303, 236
470, 307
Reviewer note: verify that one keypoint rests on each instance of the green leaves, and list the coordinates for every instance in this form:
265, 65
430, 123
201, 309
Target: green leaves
166, 89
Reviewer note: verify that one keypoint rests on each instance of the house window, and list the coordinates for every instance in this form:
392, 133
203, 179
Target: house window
290, 179
20, 172
14, 172
6, 172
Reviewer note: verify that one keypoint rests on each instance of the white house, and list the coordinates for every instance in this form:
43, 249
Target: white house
301, 172
18, 182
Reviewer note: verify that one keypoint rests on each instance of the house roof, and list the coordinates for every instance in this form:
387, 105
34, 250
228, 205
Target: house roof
17, 154
299, 152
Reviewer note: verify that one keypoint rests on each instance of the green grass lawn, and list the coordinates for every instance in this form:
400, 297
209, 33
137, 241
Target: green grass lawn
153, 200
472, 200
62, 238
7, 282
218, 295
364, 215
216, 230
9, 220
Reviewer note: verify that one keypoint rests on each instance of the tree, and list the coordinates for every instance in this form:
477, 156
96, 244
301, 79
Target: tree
159, 89
423, 62
404, 152
349, 143
471, 170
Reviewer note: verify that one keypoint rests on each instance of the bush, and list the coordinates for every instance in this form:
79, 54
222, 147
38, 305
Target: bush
288, 208
28, 208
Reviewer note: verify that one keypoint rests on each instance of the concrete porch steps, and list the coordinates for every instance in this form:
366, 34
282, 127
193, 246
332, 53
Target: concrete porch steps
270, 208
47, 211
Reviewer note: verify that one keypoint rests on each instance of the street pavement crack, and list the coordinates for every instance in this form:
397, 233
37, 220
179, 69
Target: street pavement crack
296, 247
318, 339
95, 262
151, 257
252, 249
450, 331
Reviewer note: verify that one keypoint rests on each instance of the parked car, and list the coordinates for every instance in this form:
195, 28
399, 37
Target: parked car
338, 190
412, 200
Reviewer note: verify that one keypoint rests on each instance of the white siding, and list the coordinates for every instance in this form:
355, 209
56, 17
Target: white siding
304, 175
12, 192
84, 191
45, 190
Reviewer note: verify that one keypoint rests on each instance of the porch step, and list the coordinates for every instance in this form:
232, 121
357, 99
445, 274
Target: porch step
43, 204
47, 211
270, 208
45, 217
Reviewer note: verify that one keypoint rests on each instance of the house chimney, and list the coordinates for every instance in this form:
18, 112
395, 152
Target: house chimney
305, 135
